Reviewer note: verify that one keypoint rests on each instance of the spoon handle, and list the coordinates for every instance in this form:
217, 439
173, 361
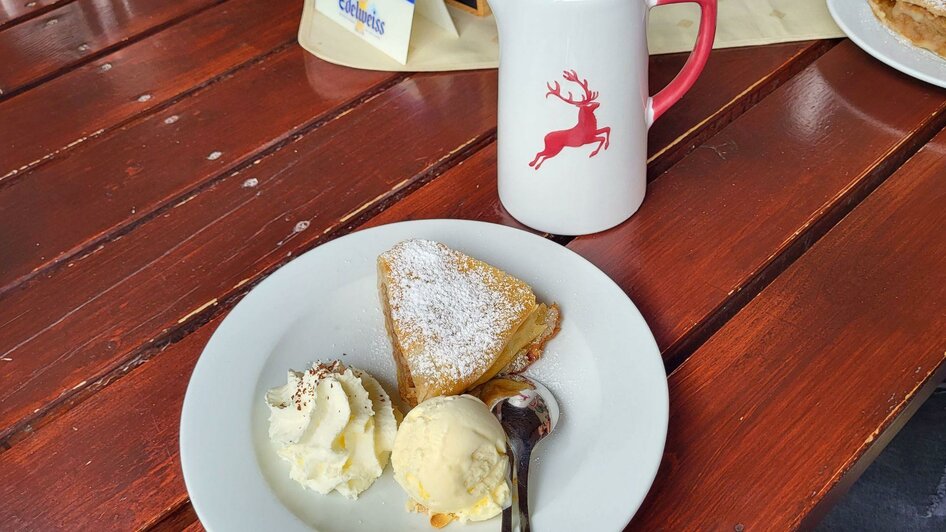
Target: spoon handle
507, 513
523, 456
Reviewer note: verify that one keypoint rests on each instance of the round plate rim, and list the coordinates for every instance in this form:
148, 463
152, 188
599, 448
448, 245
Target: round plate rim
659, 408
841, 9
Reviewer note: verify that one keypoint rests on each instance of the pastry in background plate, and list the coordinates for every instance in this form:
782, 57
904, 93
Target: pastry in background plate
456, 322
922, 22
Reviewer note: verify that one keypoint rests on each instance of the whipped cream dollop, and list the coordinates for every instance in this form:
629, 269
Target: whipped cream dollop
335, 425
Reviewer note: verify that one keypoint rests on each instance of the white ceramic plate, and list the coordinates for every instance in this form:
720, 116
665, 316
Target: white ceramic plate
604, 367
859, 23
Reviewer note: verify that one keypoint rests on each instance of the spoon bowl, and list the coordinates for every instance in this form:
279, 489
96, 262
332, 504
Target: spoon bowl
527, 416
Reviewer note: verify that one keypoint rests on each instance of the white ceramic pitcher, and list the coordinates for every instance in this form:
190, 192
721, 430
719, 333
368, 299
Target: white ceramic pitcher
574, 108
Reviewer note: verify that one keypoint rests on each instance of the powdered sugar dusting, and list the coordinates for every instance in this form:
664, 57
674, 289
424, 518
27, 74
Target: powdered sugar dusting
381, 352
457, 311
938, 7
558, 375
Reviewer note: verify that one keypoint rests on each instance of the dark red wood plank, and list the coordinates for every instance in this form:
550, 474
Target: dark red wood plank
183, 519
836, 266
735, 211
91, 215
467, 191
68, 35
92, 444
858, 67
195, 525
733, 81
210, 247
778, 407
125, 176
482, 161
47, 121
15, 11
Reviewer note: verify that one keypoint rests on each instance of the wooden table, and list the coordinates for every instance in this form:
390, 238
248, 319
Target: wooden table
157, 156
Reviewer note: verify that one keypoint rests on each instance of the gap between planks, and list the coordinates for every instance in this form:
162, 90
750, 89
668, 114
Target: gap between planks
107, 50
668, 156
177, 517
845, 477
93, 245
183, 513
200, 316
197, 318
891, 161
457, 155
850, 198
664, 158
33, 14
11, 177
840, 206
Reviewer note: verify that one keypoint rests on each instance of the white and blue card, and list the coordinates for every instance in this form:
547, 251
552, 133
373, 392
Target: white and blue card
386, 24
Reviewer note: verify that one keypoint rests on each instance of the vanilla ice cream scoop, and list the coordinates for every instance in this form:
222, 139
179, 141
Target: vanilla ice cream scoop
334, 425
450, 457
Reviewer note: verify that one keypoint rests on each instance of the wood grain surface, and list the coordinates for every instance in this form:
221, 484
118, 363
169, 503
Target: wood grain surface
158, 159
733, 80
142, 194
697, 249
467, 192
39, 48
210, 247
184, 519
730, 84
14, 12
789, 394
48, 121
727, 218
113, 481
419, 94
124, 177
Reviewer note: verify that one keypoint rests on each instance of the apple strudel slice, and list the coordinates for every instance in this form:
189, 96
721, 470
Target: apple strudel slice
922, 22
456, 322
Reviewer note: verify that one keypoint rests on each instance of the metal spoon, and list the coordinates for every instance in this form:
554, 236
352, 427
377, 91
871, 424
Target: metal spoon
527, 417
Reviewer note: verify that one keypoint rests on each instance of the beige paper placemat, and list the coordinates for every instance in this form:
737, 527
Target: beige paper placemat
672, 29
431, 48
742, 23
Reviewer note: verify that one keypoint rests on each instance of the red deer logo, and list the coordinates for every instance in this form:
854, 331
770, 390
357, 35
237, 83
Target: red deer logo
584, 132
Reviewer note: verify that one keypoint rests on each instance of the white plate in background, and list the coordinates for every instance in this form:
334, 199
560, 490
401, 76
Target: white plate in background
857, 20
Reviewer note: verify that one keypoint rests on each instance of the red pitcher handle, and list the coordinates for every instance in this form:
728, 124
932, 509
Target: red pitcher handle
672, 93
